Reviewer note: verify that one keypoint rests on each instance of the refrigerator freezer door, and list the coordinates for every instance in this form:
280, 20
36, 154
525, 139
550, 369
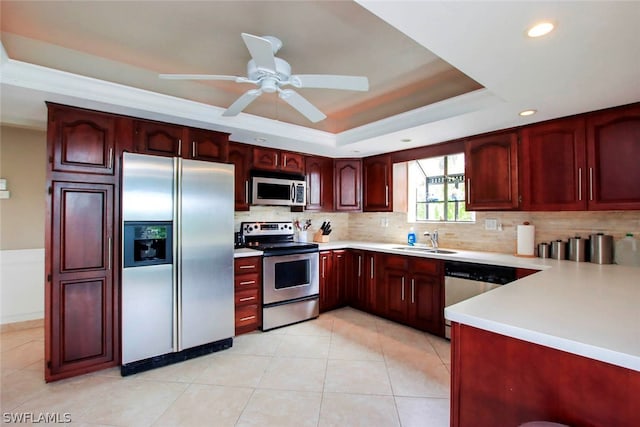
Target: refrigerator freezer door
205, 281
148, 183
147, 312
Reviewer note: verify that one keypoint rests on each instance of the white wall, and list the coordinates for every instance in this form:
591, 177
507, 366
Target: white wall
21, 285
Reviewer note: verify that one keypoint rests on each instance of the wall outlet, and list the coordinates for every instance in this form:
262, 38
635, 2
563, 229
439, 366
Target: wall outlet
384, 222
491, 224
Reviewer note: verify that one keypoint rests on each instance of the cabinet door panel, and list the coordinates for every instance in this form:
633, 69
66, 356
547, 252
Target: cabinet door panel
319, 172
160, 139
554, 173
265, 158
347, 185
426, 297
394, 290
207, 145
376, 183
240, 156
81, 300
491, 170
82, 237
613, 142
82, 141
292, 162
84, 314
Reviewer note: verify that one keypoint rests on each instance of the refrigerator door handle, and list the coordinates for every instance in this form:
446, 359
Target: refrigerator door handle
177, 255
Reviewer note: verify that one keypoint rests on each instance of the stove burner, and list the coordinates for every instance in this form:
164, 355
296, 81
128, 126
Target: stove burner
274, 238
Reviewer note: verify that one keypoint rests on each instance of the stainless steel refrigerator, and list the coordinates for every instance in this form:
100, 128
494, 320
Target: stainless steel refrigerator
177, 276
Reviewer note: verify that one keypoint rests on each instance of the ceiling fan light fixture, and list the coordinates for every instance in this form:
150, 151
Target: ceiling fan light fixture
540, 29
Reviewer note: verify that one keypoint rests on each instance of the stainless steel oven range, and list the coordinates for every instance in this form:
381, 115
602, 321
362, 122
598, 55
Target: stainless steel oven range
290, 283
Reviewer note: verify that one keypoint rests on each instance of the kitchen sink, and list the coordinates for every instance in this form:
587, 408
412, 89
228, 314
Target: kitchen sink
425, 250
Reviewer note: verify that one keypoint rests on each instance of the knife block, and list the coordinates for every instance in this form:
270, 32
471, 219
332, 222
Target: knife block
318, 237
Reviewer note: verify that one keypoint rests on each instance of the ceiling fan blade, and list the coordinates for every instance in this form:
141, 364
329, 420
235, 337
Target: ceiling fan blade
306, 108
196, 77
261, 51
328, 81
241, 103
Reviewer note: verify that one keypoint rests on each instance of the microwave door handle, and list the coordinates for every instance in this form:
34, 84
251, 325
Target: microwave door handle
293, 192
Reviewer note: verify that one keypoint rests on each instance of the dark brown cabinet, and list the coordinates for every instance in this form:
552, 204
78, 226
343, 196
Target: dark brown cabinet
80, 293
491, 170
248, 282
613, 150
319, 172
411, 292
553, 166
377, 183
333, 279
347, 185
277, 160
207, 145
81, 241
81, 141
362, 275
159, 139
240, 156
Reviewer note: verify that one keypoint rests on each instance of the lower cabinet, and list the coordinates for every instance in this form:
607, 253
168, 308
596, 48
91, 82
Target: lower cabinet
410, 291
248, 283
361, 280
333, 279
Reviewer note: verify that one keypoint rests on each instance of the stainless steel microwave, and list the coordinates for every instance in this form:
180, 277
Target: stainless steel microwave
278, 191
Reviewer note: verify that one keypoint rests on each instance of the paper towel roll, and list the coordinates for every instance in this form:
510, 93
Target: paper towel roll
526, 240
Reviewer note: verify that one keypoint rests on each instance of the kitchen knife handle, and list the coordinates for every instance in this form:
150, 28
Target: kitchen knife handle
580, 184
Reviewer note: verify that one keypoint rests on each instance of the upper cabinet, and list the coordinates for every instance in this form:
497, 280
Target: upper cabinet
553, 166
207, 145
613, 151
319, 183
277, 160
160, 139
81, 141
491, 170
377, 183
346, 184
240, 156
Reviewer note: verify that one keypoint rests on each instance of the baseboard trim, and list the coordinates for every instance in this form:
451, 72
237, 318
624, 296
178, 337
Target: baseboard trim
19, 326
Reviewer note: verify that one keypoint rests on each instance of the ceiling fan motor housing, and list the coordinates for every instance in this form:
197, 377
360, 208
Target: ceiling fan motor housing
268, 78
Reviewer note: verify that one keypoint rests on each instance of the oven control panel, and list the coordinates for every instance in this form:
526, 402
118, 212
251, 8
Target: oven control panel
267, 228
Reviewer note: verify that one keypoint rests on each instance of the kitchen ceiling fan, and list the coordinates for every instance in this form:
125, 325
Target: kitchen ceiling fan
271, 73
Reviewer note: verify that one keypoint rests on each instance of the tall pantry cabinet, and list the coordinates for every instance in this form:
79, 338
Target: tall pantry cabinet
81, 298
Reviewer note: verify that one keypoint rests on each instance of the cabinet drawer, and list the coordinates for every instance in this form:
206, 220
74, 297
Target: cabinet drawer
426, 266
247, 265
247, 315
246, 297
247, 281
400, 262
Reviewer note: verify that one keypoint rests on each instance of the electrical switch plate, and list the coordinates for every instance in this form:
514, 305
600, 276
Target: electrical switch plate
490, 224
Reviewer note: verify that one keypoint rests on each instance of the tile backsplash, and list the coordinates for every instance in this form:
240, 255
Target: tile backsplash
393, 227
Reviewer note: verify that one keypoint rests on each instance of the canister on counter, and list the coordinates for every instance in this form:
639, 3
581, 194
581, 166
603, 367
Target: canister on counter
578, 249
601, 248
559, 249
543, 250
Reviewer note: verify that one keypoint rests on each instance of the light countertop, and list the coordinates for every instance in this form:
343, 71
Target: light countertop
245, 252
582, 308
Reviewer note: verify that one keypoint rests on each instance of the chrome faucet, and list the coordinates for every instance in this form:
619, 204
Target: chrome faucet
434, 238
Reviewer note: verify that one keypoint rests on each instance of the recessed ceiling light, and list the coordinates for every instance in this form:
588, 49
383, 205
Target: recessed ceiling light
259, 139
540, 29
528, 113
405, 140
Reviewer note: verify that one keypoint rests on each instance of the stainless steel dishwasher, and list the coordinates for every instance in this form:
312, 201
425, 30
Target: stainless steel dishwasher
464, 280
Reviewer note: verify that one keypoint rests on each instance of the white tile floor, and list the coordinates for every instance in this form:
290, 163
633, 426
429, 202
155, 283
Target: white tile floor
346, 368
